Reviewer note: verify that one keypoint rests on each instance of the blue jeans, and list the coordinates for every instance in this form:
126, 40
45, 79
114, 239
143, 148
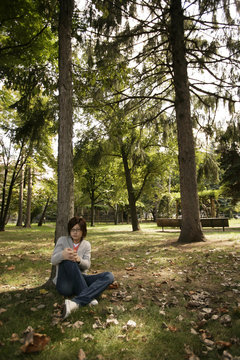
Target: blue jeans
71, 281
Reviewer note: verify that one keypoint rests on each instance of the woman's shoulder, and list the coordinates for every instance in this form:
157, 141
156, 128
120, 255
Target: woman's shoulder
63, 239
85, 243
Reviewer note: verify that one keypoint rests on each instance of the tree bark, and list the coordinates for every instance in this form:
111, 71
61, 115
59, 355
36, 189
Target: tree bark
131, 196
65, 208
191, 230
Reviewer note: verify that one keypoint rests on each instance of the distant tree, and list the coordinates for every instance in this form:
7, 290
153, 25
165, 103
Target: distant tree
229, 150
20, 201
92, 168
29, 198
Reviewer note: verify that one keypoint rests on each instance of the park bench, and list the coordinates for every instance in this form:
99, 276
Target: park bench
206, 222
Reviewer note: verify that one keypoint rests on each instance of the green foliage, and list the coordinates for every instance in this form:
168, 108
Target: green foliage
229, 149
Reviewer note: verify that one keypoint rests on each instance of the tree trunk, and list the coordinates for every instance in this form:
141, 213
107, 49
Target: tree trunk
191, 230
43, 213
65, 208
213, 207
92, 213
116, 214
20, 200
6, 199
131, 196
29, 199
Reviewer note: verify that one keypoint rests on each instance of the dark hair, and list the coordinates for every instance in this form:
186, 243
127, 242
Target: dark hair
81, 222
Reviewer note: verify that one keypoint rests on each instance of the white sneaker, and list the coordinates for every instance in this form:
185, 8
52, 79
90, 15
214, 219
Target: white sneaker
69, 306
94, 302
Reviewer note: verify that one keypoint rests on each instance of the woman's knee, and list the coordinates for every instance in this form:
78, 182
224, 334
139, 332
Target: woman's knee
64, 289
109, 277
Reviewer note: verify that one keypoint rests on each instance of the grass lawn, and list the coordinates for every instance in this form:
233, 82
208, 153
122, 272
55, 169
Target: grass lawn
170, 301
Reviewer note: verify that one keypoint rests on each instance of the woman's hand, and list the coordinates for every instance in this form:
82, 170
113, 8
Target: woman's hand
77, 257
69, 254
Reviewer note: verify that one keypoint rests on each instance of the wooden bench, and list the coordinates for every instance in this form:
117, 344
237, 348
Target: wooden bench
206, 222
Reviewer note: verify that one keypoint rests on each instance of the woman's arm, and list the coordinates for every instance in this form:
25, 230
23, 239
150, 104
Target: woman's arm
57, 255
84, 254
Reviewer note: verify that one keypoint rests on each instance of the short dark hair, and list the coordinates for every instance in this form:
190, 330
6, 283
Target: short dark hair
81, 222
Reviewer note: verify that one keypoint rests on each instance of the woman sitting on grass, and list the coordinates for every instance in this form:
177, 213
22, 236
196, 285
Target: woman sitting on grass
72, 257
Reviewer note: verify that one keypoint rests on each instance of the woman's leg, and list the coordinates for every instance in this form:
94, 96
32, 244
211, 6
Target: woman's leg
96, 284
70, 280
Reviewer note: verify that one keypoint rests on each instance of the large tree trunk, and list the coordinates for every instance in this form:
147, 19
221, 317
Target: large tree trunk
29, 199
131, 196
20, 200
191, 230
65, 208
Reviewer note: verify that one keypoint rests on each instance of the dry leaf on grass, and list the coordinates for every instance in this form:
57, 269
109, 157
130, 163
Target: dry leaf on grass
77, 324
114, 285
43, 291
131, 324
12, 267
2, 310
172, 328
14, 337
190, 354
223, 344
88, 337
34, 342
81, 355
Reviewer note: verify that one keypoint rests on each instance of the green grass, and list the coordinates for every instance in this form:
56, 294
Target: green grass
176, 294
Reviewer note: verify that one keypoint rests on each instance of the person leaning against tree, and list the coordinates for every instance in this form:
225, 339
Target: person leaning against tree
72, 257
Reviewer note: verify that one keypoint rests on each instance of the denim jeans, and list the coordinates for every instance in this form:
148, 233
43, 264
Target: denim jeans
72, 282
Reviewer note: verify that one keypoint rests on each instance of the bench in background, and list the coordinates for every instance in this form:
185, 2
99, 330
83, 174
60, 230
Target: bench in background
206, 222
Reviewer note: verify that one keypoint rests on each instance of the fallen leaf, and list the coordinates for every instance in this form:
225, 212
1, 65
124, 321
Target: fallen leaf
43, 291
75, 339
139, 307
88, 337
131, 268
2, 310
34, 342
223, 344
114, 285
77, 324
172, 328
110, 321
14, 337
41, 306
131, 324
99, 357
190, 353
81, 355
225, 319
12, 267
208, 342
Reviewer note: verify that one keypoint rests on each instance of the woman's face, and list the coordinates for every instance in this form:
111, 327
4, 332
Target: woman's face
76, 233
